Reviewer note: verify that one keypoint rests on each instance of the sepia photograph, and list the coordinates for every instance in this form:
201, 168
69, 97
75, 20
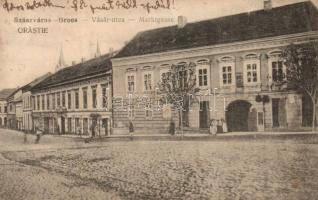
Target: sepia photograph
159, 99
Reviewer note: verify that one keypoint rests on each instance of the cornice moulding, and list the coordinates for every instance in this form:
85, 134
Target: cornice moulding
250, 45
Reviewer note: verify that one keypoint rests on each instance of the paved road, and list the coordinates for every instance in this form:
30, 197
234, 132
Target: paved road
28, 182
245, 168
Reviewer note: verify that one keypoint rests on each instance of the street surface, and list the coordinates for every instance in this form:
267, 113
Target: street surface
65, 168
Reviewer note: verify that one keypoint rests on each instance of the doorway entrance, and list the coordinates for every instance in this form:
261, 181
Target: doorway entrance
237, 115
105, 126
62, 125
275, 112
204, 114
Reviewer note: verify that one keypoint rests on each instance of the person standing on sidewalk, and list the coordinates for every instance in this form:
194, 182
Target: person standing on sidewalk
224, 126
213, 127
131, 130
38, 135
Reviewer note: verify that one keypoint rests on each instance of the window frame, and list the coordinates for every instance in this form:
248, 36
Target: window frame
251, 59
201, 65
94, 96
227, 61
76, 98
105, 95
85, 97
63, 99
69, 99
275, 56
48, 102
151, 84
58, 99
131, 73
164, 68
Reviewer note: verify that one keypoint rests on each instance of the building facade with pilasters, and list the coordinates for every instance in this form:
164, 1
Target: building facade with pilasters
239, 70
27, 122
4, 94
75, 100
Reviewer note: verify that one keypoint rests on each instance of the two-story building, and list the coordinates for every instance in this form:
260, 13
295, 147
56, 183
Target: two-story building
75, 99
238, 65
26, 102
4, 94
14, 102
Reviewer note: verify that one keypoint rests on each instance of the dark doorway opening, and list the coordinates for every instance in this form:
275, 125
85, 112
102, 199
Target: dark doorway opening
105, 125
237, 115
307, 111
204, 114
275, 112
46, 125
62, 125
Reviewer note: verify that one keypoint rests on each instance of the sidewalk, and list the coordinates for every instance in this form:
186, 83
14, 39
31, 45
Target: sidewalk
201, 136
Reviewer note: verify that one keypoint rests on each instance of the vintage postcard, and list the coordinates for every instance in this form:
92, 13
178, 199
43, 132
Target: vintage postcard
159, 99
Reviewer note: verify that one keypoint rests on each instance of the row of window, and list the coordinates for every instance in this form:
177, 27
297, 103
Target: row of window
58, 99
3, 109
250, 75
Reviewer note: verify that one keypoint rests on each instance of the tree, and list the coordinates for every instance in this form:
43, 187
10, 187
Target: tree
302, 71
178, 88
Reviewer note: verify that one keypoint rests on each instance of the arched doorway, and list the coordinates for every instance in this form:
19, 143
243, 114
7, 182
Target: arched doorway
237, 115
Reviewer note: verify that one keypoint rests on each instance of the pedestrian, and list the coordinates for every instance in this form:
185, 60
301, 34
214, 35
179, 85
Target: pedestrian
131, 130
78, 130
38, 135
224, 126
172, 128
213, 127
25, 139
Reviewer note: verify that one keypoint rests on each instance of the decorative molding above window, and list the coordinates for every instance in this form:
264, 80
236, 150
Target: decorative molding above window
274, 53
163, 66
147, 68
182, 63
131, 69
203, 62
251, 56
226, 59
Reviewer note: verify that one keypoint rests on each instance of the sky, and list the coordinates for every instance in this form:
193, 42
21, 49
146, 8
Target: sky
25, 56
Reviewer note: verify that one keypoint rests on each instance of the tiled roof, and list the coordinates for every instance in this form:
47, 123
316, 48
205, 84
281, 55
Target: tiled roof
35, 82
288, 19
91, 67
5, 93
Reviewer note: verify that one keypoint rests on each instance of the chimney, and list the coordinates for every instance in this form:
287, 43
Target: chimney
182, 21
83, 59
267, 5
73, 63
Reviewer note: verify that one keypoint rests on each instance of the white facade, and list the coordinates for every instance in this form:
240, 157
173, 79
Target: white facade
73, 108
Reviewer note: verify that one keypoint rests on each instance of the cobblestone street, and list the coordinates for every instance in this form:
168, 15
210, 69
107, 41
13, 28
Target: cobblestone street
262, 169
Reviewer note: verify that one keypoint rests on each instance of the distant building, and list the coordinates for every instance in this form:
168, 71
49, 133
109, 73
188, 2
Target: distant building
4, 94
26, 102
237, 58
15, 110
75, 99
